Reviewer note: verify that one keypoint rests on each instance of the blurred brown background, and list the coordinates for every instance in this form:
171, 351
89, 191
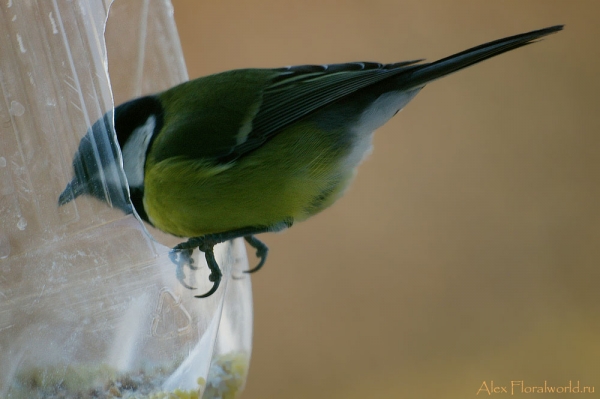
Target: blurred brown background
467, 249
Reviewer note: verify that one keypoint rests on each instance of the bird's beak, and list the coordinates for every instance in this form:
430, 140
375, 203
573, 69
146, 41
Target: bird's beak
73, 190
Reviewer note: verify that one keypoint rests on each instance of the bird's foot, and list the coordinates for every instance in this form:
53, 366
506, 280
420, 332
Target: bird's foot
181, 258
181, 255
261, 252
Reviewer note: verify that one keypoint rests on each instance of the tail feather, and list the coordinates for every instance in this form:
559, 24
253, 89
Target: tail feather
456, 62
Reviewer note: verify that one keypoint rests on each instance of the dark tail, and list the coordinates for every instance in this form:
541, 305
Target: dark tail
448, 65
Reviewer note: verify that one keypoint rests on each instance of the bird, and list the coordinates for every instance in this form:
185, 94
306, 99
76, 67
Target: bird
250, 151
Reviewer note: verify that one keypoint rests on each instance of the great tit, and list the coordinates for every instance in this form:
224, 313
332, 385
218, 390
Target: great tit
250, 151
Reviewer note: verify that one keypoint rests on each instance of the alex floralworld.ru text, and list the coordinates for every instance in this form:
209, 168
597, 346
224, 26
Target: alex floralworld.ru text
516, 387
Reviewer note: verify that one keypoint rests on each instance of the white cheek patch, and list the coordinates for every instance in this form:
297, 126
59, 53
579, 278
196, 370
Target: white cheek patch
134, 152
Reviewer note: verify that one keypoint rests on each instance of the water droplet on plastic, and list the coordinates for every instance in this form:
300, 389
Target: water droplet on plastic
22, 223
53, 23
16, 108
4, 246
21, 45
2, 162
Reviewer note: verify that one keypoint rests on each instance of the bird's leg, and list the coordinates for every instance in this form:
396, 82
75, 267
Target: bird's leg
181, 257
261, 252
215, 273
207, 243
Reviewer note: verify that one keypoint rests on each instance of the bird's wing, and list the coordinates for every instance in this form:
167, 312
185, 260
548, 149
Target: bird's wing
222, 117
298, 91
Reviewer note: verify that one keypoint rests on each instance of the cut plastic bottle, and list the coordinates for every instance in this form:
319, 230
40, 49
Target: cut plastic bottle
90, 305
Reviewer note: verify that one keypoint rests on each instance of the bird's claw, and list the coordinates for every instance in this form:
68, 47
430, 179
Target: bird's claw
181, 257
261, 252
215, 272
